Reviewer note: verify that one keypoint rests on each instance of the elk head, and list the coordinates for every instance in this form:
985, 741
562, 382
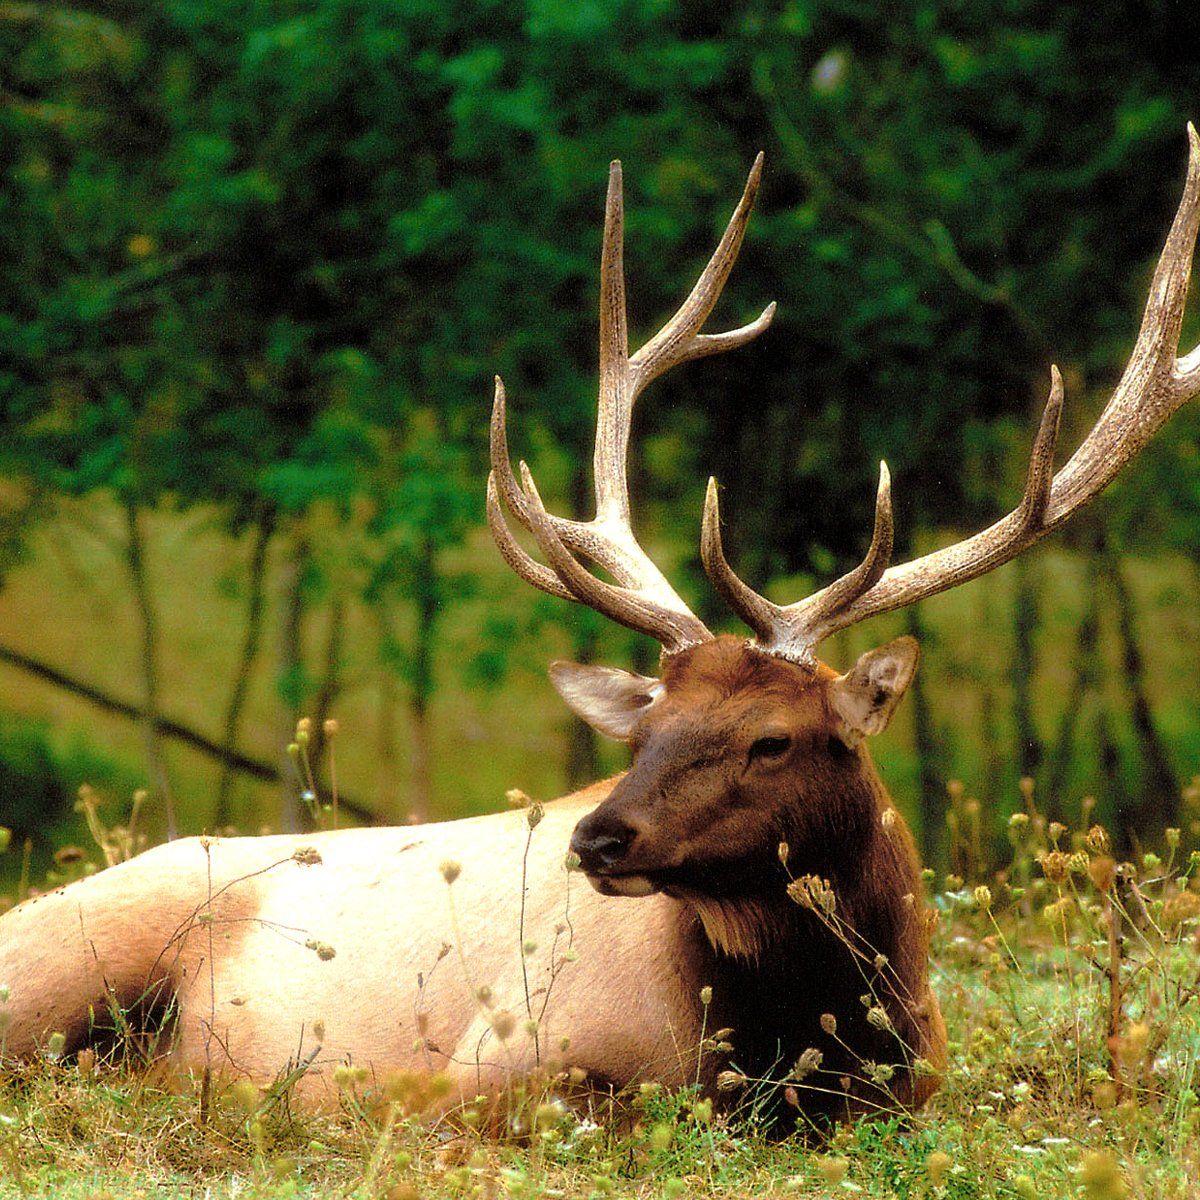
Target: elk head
742, 744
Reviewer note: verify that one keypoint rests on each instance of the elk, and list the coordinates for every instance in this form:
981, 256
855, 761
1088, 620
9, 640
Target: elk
750, 876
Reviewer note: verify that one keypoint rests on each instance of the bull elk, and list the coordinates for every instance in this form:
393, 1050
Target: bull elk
776, 882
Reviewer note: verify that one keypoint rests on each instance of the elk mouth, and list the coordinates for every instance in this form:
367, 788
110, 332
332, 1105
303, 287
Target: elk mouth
615, 883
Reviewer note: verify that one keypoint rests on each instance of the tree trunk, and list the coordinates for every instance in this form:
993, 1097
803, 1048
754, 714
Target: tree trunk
289, 678
931, 787
251, 643
427, 594
1025, 618
156, 763
1158, 801
330, 686
387, 756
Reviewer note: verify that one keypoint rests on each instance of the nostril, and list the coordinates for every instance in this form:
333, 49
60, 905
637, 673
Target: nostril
602, 848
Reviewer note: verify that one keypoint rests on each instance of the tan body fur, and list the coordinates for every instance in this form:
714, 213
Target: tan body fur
249, 992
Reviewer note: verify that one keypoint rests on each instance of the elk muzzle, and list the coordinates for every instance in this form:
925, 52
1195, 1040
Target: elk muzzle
602, 840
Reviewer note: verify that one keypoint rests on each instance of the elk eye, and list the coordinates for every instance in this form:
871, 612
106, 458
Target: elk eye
770, 747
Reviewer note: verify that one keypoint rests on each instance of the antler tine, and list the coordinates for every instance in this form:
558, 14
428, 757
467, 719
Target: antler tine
642, 598
675, 628
757, 611
529, 569
793, 631
622, 379
1154, 384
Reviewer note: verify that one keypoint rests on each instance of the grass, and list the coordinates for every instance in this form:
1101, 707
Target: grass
1071, 989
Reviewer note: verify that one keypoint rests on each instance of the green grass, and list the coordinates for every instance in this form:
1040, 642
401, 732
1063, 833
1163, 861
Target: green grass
1036, 1103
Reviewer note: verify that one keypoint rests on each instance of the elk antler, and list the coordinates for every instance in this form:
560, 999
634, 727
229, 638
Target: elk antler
1156, 382
641, 598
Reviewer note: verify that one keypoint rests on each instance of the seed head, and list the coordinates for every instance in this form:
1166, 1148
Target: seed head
304, 725
534, 814
450, 870
572, 861
833, 1170
1097, 840
784, 852
307, 856
1056, 866
1172, 838
323, 950
330, 727
1103, 873
936, 1167
878, 1018
517, 798
730, 1081
706, 995
887, 818
829, 1023
813, 892
1101, 1177
503, 1025
56, 1043
1018, 820
809, 1061
983, 897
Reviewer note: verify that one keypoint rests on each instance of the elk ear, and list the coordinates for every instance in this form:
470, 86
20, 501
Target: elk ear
609, 700
864, 699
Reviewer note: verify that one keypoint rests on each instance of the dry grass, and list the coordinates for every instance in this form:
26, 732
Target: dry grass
1071, 988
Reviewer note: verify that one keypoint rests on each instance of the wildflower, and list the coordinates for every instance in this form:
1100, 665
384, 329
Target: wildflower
307, 856
323, 950
293, 750
813, 892
1097, 840
1103, 873
808, 1062
833, 1170
983, 897
936, 1166
1018, 820
450, 870
878, 1018
829, 1024
572, 861
1101, 1177
503, 1025
1055, 866
706, 995
1056, 830
330, 727
1151, 861
879, 1073
888, 818
1172, 836
953, 882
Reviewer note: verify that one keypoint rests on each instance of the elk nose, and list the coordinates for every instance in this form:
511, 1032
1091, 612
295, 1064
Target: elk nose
600, 847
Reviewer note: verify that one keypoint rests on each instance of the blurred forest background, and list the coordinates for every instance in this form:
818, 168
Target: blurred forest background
261, 260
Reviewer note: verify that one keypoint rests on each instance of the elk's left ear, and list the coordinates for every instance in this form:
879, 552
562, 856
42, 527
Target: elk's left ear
611, 701
864, 699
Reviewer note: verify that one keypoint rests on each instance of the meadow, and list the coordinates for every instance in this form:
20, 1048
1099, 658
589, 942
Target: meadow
1070, 987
